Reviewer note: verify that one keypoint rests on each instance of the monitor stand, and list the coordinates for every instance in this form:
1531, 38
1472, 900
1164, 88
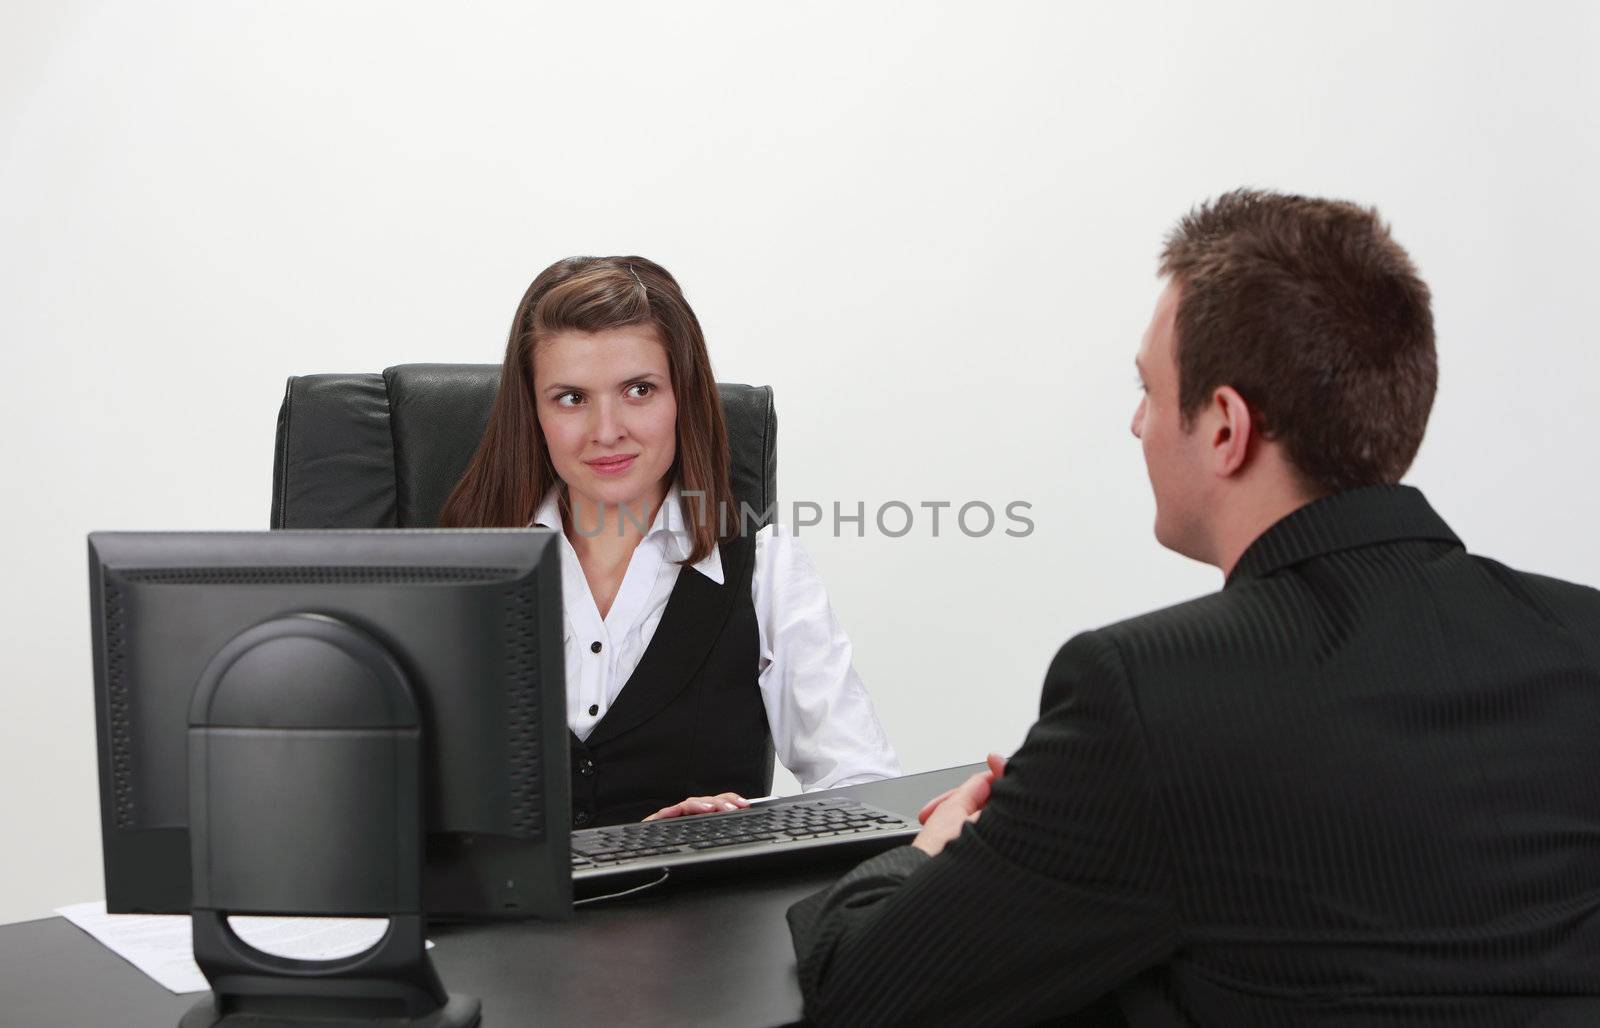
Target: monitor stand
392, 984
305, 799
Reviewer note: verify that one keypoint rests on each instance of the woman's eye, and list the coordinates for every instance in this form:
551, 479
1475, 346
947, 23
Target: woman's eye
569, 399
639, 390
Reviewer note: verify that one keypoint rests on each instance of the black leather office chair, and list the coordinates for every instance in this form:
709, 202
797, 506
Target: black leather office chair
384, 451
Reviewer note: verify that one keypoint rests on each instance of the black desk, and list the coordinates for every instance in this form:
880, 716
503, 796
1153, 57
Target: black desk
692, 953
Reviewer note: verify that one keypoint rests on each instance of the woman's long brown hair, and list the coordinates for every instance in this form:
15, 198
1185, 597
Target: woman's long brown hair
510, 474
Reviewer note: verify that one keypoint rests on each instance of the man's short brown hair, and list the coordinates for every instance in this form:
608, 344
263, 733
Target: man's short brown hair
1318, 319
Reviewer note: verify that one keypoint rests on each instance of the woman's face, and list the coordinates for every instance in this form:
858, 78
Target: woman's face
605, 404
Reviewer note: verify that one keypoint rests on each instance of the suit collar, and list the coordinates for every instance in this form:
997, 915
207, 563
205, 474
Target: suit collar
1343, 521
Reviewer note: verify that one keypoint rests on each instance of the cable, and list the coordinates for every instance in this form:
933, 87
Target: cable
625, 892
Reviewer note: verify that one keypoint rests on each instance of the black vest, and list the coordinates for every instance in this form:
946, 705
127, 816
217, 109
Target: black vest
689, 721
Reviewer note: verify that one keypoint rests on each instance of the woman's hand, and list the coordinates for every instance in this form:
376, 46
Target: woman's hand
703, 805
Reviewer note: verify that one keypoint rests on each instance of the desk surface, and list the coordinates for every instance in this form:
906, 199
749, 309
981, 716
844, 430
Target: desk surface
701, 953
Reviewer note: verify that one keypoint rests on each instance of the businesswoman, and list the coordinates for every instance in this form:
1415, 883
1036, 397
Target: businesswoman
688, 644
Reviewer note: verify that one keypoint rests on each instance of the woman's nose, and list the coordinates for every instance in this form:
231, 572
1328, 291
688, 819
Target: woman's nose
607, 427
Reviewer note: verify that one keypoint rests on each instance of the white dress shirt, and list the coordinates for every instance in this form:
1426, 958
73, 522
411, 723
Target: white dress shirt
823, 726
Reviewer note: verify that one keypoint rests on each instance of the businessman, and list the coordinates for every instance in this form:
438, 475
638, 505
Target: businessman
1359, 785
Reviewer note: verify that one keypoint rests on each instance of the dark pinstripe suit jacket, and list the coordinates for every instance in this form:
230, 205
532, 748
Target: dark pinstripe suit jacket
1358, 786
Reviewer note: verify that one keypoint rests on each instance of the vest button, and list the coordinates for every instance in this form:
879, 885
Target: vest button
586, 767
594, 647
581, 818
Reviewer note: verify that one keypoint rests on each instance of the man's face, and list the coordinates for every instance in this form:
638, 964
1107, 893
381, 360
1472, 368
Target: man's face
1173, 456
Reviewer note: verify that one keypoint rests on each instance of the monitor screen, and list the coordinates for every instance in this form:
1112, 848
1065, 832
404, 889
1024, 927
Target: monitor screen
472, 619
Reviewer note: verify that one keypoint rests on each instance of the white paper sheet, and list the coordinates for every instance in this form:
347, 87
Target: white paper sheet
161, 945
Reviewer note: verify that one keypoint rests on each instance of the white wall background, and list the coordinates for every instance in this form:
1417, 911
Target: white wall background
931, 227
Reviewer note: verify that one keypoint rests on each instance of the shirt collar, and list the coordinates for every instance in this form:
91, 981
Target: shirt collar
1343, 521
670, 528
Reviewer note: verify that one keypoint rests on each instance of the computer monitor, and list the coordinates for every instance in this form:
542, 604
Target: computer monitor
317, 715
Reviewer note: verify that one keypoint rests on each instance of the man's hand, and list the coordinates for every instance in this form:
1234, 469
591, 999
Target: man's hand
943, 816
703, 805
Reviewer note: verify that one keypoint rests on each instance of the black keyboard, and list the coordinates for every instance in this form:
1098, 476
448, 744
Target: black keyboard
691, 838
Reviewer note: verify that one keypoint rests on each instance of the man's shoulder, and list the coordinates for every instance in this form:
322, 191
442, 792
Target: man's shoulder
1557, 596
1279, 623
1186, 628
1161, 648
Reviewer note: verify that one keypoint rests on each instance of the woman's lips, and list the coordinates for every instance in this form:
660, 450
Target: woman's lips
611, 465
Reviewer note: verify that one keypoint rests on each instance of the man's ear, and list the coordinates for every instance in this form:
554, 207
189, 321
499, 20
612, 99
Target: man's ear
1231, 431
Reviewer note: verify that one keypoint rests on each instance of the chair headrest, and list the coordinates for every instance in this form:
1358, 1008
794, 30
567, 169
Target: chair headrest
384, 451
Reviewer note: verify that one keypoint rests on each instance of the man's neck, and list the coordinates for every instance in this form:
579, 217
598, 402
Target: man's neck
1251, 516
